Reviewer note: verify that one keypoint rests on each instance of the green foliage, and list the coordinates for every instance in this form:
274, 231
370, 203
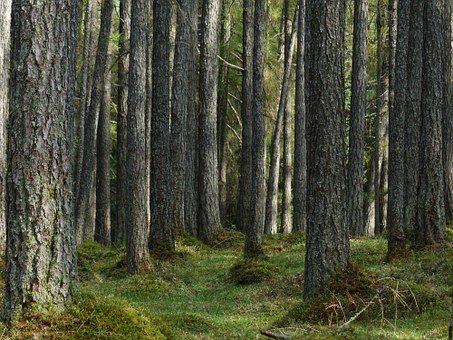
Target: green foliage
248, 271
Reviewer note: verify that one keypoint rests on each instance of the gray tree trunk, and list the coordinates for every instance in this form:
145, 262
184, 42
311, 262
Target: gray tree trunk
86, 200
161, 228
286, 226
5, 25
327, 231
118, 228
245, 179
431, 226
300, 140
209, 213
356, 154
447, 114
136, 189
41, 264
103, 228
413, 117
258, 198
396, 237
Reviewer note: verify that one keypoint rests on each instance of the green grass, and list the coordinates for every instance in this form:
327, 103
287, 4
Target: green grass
193, 295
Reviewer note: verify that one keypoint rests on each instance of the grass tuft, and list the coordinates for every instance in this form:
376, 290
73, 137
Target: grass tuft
249, 271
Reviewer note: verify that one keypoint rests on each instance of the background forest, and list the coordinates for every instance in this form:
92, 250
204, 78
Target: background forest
226, 169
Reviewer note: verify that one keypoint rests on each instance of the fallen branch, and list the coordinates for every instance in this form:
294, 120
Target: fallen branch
271, 335
379, 292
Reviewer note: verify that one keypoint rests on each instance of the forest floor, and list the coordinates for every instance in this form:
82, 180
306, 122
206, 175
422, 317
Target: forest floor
194, 296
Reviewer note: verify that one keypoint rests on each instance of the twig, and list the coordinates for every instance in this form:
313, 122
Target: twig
271, 335
379, 292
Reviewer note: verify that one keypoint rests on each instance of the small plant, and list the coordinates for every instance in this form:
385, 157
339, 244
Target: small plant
250, 271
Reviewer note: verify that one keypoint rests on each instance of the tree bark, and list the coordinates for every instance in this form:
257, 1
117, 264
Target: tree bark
118, 229
136, 189
209, 214
396, 237
245, 180
431, 226
161, 229
103, 233
356, 221
447, 114
327, 232
258, 198
413, 117
41, 264
86, 195
5, 25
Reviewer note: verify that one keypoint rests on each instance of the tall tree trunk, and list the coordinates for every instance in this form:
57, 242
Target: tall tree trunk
396, 237
86, 195
431, 226
413, 116
118, 228
447, 114
102, 232
327, 231
136, 190
300, 140
209, 218
5, 25
41, 264
191, 173
258, 198
161, 229
245, 180
287, 126
148, 113
355, 220
222, 109
83, 92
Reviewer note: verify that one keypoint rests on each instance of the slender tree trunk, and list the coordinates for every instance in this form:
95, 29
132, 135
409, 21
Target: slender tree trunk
86, 195
356, 221
300, 141
5, 25
191, 173
161, 229
136, 190
222, 110
245, 180
431, 226
102, 233
447, 114
287, 127
258, 198
118, 229
148, 113
396, 237
209, 218
41, 264
413, 116
327, 231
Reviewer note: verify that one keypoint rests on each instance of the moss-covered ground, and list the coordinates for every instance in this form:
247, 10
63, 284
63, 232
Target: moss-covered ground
197, 295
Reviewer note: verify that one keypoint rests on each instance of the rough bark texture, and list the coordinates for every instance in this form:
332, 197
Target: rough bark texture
396, 238
180, 102
258, 199
245, 180
5, 23
413, 116
447, 114
136, 189
118, 228
41, 264
102, 232
300, 140
431, 226
327, 232
356, 222
209, 214
86, 195
161, 228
